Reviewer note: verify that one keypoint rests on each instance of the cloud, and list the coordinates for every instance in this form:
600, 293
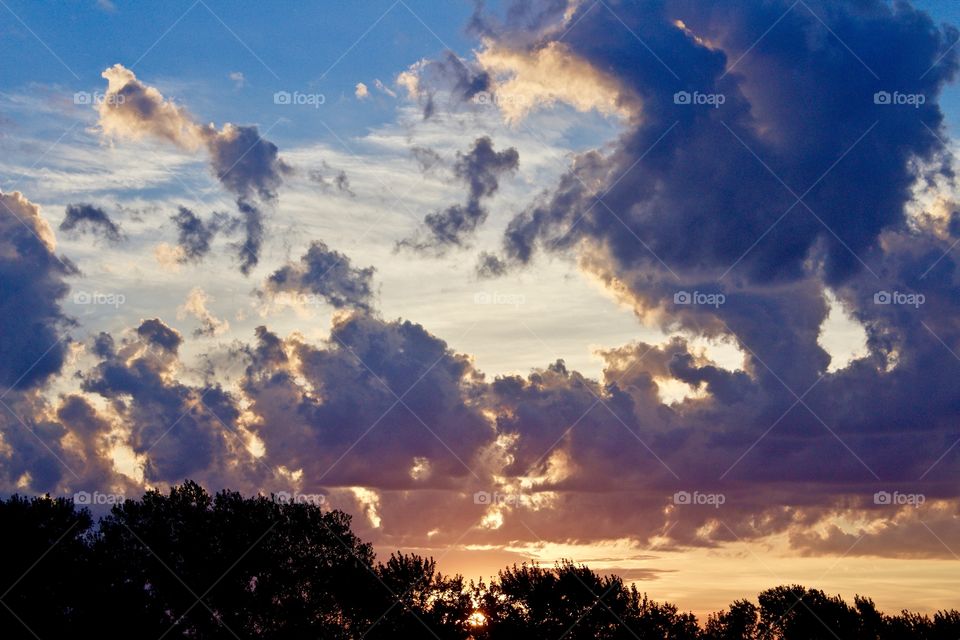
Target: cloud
480, 169
132, 110
169, 257
343, 424
196, 306
239, 81
490, 266
450, 75
176, 429
32, 287
86, 217
677, 207
246, 164
341, 181
540, 78
324, 273
194, 236
428, 159
158, 334
384, 88
361, 91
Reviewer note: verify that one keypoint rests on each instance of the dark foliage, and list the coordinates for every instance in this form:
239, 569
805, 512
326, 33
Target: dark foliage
190, 565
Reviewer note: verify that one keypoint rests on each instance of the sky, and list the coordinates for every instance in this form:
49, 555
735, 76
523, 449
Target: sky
668, 287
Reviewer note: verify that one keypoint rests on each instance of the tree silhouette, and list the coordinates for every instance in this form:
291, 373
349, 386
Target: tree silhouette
46, 562
185, 564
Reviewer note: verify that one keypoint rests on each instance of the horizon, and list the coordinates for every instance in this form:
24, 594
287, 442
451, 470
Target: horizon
668, 288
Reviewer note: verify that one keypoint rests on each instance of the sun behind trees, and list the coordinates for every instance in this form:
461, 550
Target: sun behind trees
190, 565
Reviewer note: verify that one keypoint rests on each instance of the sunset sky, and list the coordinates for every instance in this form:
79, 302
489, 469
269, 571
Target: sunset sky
669, 287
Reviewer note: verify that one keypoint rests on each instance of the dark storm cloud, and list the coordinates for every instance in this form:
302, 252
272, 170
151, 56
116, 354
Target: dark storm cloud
343, 423
693, 189
90, 219
181, 430
700, 192
700, 197
35, 454
325, 273
481, 169
678, 199
32, 287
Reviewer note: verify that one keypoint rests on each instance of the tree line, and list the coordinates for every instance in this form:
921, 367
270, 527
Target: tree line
185, 564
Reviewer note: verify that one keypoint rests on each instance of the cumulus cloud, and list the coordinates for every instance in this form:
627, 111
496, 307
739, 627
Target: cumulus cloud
528, 80
324, 273
686, 202
245, 163
361, 91
133, 110
32, 287
343, 423
481, 169
91, 219
178, 430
